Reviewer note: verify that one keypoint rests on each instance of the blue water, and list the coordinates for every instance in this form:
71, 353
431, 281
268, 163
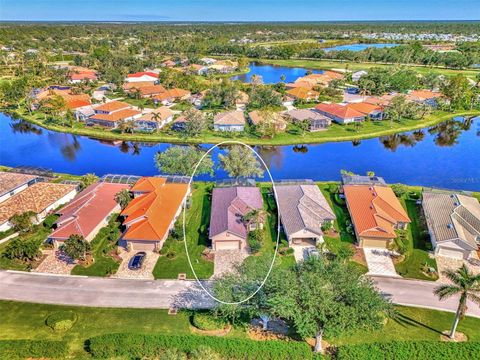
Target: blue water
271, 74
446, 156
359, 47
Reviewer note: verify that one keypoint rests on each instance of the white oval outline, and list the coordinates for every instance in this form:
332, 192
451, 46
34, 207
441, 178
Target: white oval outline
278, 223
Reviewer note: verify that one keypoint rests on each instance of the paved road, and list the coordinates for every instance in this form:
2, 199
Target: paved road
101, 292
123, 293
419, 294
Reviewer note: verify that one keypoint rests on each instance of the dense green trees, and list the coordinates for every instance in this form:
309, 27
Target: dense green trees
241, 162
182, 160
76, 247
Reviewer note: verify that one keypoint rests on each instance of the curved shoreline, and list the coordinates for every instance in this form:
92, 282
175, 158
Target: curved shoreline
279, 140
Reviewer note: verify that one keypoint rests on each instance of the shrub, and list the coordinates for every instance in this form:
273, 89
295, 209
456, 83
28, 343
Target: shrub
23, 250
206, 321
204, 353
255, 240
406, 350
134, 346
76, 247
61, 320
23, 222
22, 349
173, 354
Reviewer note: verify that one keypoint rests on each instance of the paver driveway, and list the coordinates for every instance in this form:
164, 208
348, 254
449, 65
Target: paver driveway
379, 262
55, 262
226, 260
146, 272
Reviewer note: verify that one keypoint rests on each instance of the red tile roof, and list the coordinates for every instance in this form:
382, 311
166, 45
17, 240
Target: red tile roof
89, 208
112, 106
116, 115
74, 104
341, 111
142, 73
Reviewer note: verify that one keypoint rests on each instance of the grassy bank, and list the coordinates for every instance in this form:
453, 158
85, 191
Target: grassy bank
336, 132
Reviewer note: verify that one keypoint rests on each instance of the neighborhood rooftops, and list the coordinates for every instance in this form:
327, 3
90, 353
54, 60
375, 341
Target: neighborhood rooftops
302, 207
149, 216
112, 106
229, 118
9, 181
142, 73
229, 205
87, 211
116, 115
354, 179
163, 114
452, 217
374, 210
339, 111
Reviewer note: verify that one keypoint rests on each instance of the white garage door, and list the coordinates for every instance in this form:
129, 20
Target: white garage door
143, 245
227, 245
451, 253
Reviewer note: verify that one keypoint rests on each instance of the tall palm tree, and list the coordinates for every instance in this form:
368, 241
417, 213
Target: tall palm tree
465, 284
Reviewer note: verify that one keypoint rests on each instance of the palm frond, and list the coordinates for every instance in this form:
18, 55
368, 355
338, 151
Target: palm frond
446, 291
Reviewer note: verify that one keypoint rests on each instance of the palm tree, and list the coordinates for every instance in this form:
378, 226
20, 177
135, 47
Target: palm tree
254, 216
465, 284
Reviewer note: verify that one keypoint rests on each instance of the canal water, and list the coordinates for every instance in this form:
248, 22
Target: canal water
272, 74
447, 155
358, 47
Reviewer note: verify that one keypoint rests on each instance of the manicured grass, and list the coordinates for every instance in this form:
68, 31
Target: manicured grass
414, 324
197, 220
350, 65
417, 254
102, 246
336, 132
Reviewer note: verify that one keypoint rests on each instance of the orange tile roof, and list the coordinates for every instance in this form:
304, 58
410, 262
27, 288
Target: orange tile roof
374, 210
364, 108
424, 94
302, 93
137, 85
341, 111
142, 73
112, 106
151, 90
116, 116
172, 94
149, 216
74, 104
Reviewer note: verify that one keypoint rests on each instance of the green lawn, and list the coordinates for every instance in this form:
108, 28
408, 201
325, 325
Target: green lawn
197, 218
102, 246
336, 132
416, 256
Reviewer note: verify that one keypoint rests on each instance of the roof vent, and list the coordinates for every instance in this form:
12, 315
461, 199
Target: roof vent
450, 226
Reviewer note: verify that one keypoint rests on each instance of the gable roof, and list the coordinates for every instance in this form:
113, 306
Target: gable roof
148, 217
89, 208
302, 93
452, 217
302, 207
229, 205
142, 73
116, 115
229, 118
374, 210
112, 106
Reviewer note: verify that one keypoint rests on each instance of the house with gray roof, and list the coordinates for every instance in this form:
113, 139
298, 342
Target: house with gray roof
354, 179
316, 120
228, 229
229, 121
453, 222
303, 211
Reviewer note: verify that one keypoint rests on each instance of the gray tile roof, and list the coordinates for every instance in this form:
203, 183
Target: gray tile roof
302, 207
452, 217
229, 118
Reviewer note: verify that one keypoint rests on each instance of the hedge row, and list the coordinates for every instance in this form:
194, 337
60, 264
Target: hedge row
22, 349
140, 346
407, 350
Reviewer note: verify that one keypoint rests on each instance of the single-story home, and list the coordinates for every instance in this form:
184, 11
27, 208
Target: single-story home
12, 183
374, 112
41, 198
257, 117
132, 86
169, 96
303, 93
152, 213
149, 91
154, 120
112, 113
88, 212
228, 229
376, 213
229, 121
142, 76
342, 114
358, 74
453, 222
317, 121
354, 179
424, 97
78, 74
303, 211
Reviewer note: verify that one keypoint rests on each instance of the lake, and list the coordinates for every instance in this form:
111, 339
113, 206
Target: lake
446, 155
359, 47
271, 74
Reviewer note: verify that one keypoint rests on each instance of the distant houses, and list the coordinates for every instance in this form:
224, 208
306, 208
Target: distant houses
229, 121
228, 227
141, 77
112, 113
77, 74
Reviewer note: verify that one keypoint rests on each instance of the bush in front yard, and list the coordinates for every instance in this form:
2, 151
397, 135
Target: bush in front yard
61, 320
255, 240
207, 321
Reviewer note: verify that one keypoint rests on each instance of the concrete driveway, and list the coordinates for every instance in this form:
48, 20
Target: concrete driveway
379, 262
227, 260
300, 252
146, 272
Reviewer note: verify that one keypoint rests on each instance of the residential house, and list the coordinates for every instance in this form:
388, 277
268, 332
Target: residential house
197, 69
133, 86
242, 100
112, 113
303, 212
152, 213
341, 114
303, 93
453, 222
382, 101
228, 229
316, 120
229, 121
154, 120
72, 101
376, 213
424, 97
208, 61
142, 76
257, 117
358, 74
180, 123
12, 183
169, 63
83, 113
88, 212
78, 74
149, 91
169, 96
354, 179
41, 198
374, 112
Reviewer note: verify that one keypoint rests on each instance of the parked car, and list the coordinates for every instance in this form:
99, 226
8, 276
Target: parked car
313, 252
353, 91
137, 260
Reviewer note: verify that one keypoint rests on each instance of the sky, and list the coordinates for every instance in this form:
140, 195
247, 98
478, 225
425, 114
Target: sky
239, 10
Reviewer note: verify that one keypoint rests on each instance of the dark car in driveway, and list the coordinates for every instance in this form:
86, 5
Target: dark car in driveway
137, 260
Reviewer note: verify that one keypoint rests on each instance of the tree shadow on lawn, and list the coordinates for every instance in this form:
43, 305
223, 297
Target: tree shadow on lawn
406, 321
